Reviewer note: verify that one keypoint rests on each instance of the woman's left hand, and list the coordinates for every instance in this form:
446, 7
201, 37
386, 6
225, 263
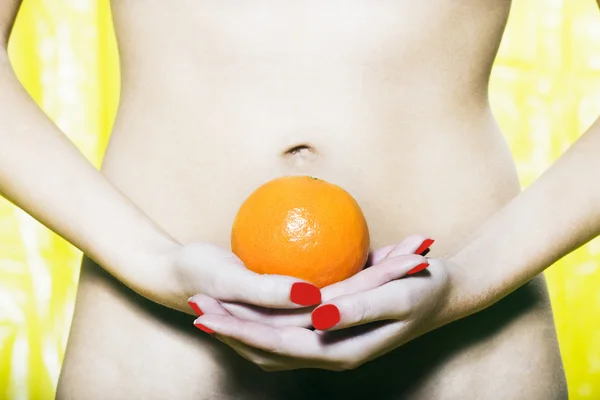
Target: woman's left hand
386, 309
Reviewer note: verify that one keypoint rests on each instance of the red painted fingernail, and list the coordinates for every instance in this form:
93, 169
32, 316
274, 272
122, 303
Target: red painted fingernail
204, 329
325, 317
424, 246
418, 268
305, 294
196, 309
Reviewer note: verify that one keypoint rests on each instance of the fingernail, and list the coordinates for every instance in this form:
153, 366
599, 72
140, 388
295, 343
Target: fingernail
425, 252
196, 309
424, 246
305, 294
325, 317
418, 268
204, 329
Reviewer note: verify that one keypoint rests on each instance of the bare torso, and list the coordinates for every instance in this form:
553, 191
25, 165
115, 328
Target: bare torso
387, 99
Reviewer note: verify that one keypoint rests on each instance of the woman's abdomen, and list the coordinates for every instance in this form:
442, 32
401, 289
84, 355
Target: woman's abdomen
414, 161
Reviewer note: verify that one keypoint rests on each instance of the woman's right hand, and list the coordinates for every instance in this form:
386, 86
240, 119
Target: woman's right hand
207, 269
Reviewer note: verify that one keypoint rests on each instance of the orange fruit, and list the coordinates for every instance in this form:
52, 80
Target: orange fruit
303, 227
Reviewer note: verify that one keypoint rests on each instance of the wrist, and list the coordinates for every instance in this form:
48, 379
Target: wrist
151, 271
460, 300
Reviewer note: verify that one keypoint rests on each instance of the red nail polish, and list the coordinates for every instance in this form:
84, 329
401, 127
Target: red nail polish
204, 329
418, 268
424, 246
305, 294
196, 309
325, 317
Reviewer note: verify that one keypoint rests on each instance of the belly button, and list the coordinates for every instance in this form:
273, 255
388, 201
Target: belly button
300, 155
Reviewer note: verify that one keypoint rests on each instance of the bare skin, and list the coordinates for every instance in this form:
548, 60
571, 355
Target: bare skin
388, 100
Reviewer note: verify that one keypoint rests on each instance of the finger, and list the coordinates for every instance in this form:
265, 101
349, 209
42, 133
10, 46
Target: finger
288, 341
264, 360
392, 301
379, 254
380, 339
202, 304
409, 245
386, 271
272, 291
413, 244
270, 316
254, 355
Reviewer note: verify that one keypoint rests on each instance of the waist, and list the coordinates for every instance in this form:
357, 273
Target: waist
443, 178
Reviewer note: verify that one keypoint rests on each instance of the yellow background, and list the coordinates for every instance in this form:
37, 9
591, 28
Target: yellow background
545, 92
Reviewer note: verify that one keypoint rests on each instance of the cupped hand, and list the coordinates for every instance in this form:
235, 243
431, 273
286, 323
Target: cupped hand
371, 277
387, 308
210, 270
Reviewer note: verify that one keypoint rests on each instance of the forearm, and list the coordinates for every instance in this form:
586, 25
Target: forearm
554, 216
43, 173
